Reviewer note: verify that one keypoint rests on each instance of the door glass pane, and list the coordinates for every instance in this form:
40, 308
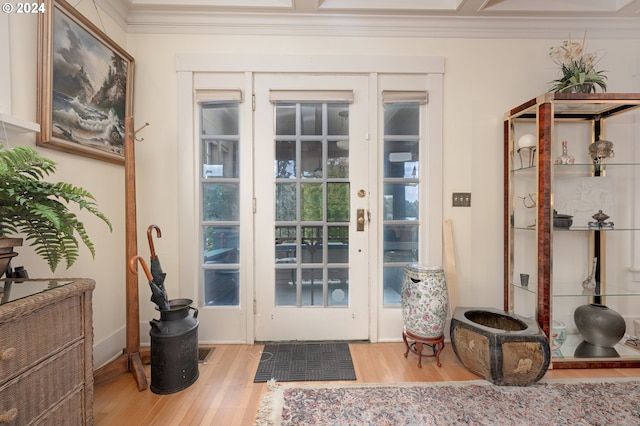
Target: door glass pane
311, 159
338, 244
286, 286
286, 196
306, 202
392, 277
311, 115
312, 244
285, 119
401, 119
222, 287
220, 208
220, 158
401, 201
338, 159
338, 286
400, 243
337, 202
286, 244
285, 166
338, 118
401, 220
312, 287
219, 119
220, 202
311, 201
401, 159
221, 244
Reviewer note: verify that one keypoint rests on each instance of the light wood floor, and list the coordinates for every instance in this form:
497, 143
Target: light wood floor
225, 394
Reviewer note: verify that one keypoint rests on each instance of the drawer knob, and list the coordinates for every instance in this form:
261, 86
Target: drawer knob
9, 416
7, 354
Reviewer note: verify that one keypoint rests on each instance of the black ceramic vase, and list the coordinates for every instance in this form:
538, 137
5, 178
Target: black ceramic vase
599, 325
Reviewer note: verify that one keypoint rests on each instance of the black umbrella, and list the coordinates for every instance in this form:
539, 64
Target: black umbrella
156, 269
158, 296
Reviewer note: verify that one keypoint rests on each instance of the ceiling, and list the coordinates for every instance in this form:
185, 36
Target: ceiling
428, 18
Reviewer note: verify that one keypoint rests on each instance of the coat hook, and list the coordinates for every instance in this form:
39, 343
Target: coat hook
136, 132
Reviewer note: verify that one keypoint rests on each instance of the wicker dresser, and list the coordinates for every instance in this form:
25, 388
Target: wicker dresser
46, 352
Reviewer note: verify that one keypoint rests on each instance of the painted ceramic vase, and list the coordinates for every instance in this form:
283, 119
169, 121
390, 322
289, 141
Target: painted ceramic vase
425, 301
558, 334
599, 325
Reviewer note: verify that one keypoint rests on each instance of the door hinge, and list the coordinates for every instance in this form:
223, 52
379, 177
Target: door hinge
254, 203
255, 307
253, 102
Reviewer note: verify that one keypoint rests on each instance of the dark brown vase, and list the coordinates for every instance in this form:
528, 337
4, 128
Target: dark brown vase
599, 324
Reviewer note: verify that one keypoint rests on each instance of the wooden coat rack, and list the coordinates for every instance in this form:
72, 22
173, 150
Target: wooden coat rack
132, 358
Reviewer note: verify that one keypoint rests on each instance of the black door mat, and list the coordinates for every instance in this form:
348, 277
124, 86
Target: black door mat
302, 362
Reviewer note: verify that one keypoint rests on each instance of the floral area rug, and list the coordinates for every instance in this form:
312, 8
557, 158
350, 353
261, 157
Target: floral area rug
606, 402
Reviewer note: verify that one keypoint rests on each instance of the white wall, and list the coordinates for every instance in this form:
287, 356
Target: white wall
483, 79
104, 180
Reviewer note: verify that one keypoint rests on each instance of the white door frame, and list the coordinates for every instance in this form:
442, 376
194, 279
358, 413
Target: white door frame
384, 323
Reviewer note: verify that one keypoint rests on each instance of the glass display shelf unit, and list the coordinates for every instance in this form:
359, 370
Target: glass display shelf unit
577, 168
580, 228
15, 289
566, 289
575, 348
537, 133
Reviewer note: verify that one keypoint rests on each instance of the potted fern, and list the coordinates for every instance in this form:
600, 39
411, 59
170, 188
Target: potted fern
39, 210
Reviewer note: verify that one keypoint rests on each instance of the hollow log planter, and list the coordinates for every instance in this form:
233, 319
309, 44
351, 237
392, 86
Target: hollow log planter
505, 349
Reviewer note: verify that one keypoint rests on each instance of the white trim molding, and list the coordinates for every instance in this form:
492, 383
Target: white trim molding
503, 27
505, 19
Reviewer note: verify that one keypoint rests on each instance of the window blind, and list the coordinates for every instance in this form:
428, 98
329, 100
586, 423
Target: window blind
203, 96
404, 96
311, 96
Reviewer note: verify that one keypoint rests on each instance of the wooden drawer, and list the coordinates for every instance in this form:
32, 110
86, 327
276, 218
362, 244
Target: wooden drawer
38, 392
33, 337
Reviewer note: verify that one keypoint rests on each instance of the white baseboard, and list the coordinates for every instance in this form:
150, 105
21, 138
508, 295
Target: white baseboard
109, 349
112, 347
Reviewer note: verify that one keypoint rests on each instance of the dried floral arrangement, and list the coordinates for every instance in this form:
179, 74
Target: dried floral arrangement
578, 67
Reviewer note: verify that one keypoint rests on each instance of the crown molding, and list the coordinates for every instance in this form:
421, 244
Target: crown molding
137, 17
286, 24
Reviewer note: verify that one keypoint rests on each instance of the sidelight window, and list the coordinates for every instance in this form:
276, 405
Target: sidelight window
401, 194
220, 209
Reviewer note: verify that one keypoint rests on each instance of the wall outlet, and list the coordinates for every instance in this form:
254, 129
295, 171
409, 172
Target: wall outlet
461, 199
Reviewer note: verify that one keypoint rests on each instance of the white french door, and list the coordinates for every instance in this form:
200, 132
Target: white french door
311, 218
276, 162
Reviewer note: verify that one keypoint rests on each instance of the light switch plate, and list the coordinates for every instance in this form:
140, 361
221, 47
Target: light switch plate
461, 199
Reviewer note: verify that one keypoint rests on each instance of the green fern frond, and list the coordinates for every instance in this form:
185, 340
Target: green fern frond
39, 209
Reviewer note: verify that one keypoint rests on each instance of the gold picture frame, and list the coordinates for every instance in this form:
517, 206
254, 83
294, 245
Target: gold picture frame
85, 86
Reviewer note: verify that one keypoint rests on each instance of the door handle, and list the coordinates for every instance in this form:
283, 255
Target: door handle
360, 220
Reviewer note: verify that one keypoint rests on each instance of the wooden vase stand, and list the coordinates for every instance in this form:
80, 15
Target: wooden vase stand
436, 343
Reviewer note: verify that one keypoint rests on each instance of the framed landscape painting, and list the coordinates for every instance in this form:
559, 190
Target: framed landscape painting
85, 86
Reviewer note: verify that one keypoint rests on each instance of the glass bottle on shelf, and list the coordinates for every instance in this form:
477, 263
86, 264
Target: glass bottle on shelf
565, 158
